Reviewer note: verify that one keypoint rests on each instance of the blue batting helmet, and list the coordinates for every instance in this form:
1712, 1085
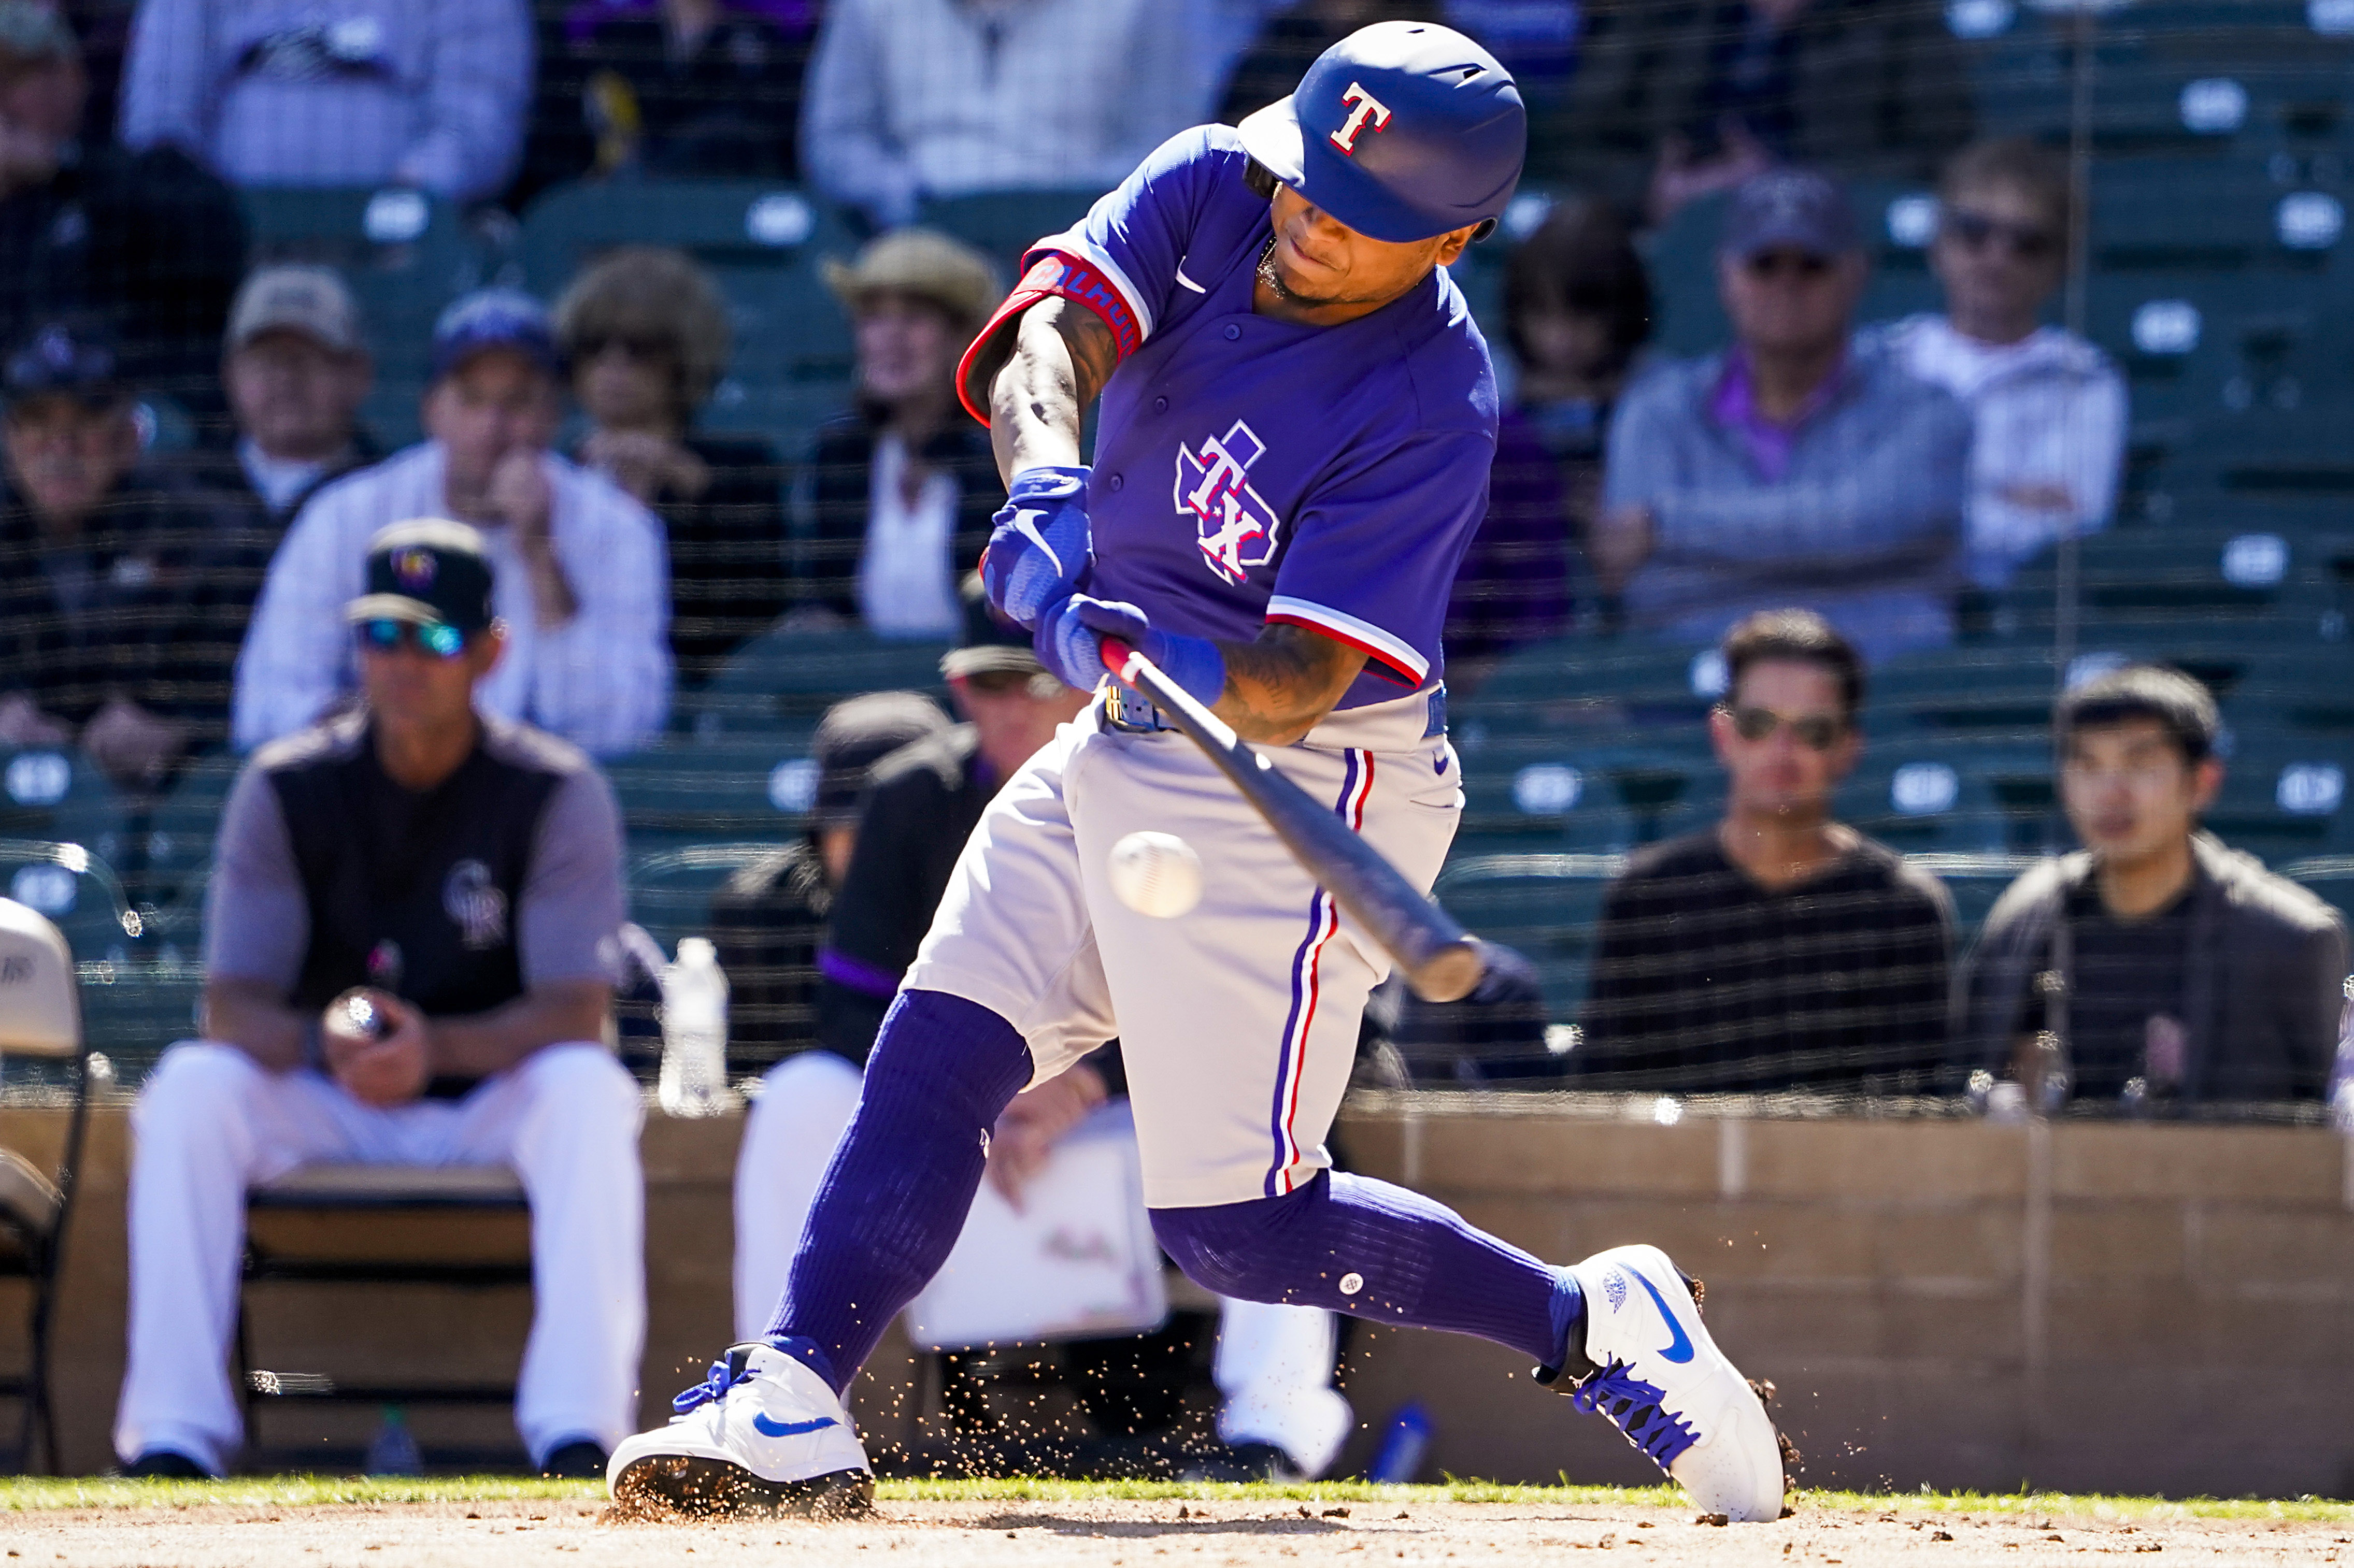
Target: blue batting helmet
1402, 130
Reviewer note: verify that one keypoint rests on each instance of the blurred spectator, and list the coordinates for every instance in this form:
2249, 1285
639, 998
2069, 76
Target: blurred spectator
1577, 309
296, 370
1672, 102
645, 331
1779, 948
1798, 465
2154, 964
921, 808
583, 585
110, 635
1289, 42
769, 918
2048, 407
681, 88
408, 923
913, 99
429, 93
146, 243
893, 505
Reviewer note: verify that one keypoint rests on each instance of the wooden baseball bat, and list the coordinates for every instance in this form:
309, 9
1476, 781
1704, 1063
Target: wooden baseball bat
1439, 958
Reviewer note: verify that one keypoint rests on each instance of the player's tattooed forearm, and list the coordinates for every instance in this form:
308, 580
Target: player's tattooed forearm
1095, 354
1278, 686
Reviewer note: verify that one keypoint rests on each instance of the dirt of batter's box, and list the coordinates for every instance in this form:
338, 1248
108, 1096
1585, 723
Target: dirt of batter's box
1211, 1534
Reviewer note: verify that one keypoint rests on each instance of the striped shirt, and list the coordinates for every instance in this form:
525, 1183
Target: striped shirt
601, 680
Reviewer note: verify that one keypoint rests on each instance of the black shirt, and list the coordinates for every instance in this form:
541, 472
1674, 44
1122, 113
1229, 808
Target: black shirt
2126, 1003
767, 923
922, 803
146, 601
726, 553
836, 489
1705, 981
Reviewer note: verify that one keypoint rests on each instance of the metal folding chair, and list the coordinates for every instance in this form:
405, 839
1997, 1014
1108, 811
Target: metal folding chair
40, 1015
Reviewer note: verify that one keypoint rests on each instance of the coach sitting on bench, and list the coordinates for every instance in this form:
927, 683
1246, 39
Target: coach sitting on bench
404, 931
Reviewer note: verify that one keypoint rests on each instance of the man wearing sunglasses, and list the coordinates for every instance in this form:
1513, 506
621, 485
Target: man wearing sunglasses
1800, 465
2048, 407
406, 932
1779, 948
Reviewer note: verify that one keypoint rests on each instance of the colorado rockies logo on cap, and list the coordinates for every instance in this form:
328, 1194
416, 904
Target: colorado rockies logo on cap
1236, 525
414, 569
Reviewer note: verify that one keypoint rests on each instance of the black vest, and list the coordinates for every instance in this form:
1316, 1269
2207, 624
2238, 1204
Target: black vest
415, 893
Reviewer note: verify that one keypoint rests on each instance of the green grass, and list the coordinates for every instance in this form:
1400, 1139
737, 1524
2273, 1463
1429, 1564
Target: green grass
28, 1494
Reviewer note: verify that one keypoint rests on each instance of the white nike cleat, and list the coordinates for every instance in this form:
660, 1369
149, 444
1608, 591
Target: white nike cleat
763, 1435
1650, 1366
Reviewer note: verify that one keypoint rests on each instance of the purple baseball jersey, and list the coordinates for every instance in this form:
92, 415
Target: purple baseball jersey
1249, 470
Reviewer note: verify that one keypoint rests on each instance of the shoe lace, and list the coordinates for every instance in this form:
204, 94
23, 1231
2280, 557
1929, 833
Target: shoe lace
1638, 1409
725, 1375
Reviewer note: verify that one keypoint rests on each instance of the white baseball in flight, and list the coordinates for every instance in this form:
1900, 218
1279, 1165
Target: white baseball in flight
1156, 873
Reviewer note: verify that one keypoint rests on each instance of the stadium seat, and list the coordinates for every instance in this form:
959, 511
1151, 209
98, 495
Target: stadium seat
1007, 223
2285, 798
1591, 691
404, 255
42, 1020
366, 1228
1916, 798
2001, 693
1543, 904
80, 893
671, 890
763, 243
735, 789
1537, 796
783, 678
2201, 585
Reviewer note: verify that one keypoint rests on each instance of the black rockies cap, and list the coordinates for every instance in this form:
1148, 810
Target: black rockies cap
64, 359
856, 735
1800, 209
988, 645
427, 570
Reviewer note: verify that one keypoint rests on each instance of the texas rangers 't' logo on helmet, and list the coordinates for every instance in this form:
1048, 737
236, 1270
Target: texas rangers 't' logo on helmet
1237, 527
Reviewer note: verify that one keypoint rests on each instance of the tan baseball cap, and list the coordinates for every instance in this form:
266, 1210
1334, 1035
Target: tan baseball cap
312, 300
925, 263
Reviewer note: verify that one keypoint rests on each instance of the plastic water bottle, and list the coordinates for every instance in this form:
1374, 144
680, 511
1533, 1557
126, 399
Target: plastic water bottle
393, 1451
695, 1032
2341, 1073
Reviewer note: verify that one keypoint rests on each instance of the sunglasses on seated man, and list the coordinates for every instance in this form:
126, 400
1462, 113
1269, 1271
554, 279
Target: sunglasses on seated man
435, 639
1975, 230
1815, 732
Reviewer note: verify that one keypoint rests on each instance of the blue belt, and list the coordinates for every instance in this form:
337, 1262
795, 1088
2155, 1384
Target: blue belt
1126, 712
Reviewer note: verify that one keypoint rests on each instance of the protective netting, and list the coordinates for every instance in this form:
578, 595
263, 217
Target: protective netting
2195, 237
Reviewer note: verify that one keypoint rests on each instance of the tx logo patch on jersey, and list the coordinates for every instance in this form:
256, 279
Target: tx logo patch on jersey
1233, 522
478, 905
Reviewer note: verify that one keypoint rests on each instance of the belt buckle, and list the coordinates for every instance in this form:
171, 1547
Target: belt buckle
1129, 714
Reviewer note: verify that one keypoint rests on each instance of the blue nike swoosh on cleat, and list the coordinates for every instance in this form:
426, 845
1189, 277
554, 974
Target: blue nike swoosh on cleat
767, 1429
1677, 1350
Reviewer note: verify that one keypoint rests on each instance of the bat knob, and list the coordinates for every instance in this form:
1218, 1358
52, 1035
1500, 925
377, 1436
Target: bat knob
1448, 974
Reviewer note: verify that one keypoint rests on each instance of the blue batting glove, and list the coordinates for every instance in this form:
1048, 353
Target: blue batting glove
1071, 635
1038, 551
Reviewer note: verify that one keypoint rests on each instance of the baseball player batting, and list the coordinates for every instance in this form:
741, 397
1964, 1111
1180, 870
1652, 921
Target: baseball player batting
1293, 452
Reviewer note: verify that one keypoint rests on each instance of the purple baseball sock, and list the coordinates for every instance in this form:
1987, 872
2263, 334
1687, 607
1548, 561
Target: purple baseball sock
1378, 1252
893, 1200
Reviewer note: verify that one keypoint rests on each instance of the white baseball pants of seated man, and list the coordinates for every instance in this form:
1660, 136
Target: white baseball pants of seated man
211, 1123
1274, 1362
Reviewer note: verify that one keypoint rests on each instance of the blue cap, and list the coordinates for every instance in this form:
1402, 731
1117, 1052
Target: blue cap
1402, 130
494, 318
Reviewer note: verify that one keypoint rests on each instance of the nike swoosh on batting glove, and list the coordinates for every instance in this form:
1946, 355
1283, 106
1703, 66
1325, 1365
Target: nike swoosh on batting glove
1038, 551
1194, 662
